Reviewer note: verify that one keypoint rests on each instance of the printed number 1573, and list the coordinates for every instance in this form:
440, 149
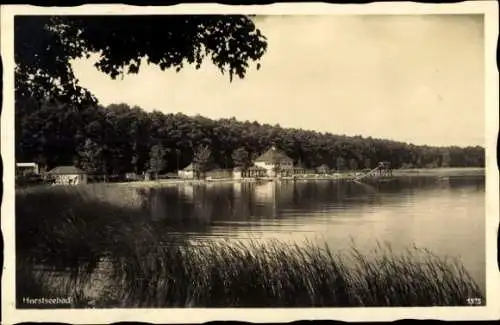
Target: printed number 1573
474, 301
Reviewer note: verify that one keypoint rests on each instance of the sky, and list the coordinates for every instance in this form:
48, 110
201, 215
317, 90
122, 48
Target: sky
417, 79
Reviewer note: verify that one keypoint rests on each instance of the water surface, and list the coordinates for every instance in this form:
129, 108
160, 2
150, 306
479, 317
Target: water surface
443, 214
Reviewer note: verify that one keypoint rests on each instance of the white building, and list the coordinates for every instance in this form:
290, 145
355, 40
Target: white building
250, 172
189, 172
68, 175
27, 168
274, 160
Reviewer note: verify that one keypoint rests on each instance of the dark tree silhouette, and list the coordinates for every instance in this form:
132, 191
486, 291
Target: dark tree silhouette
91, 156
241, 157
45, 45
202, 159
55, 116
157, 159
51, 134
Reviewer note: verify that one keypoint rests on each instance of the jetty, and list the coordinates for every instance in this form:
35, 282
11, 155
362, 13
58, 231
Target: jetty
383, 169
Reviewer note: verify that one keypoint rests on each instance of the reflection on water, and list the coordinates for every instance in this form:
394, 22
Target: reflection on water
445, 215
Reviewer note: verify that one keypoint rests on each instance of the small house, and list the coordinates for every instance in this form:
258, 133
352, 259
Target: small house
237, 172
27, 169
323, 169
67, 175
189, 172
384, 164
133, 177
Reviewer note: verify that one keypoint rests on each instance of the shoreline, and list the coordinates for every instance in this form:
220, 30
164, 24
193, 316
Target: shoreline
341, 177
348, 176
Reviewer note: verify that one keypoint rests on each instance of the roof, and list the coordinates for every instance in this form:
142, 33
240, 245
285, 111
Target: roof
274, 155
256, 168
190, 167
66, 170
323, 167
29, 164
249, 168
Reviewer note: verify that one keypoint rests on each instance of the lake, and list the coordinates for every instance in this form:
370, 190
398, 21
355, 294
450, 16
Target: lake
445, 214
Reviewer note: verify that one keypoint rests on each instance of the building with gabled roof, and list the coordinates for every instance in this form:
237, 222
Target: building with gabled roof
67, 175
272, 160
274, 156
189, 172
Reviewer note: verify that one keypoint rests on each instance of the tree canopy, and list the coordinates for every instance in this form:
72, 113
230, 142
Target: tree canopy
122, 138
58, 122
157, 159
45, 45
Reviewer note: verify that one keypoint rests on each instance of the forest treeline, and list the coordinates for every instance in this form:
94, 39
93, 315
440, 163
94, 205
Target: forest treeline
119, 138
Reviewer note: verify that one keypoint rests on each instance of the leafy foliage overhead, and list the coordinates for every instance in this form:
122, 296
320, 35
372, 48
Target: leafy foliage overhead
45, 45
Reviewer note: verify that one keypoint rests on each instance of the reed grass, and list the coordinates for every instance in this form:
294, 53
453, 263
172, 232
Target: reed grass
103, 253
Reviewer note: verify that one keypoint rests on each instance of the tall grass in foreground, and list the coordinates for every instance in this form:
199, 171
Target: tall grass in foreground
262, 275
107, 255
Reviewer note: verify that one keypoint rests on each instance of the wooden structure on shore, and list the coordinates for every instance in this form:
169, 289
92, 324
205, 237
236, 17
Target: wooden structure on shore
383, 169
